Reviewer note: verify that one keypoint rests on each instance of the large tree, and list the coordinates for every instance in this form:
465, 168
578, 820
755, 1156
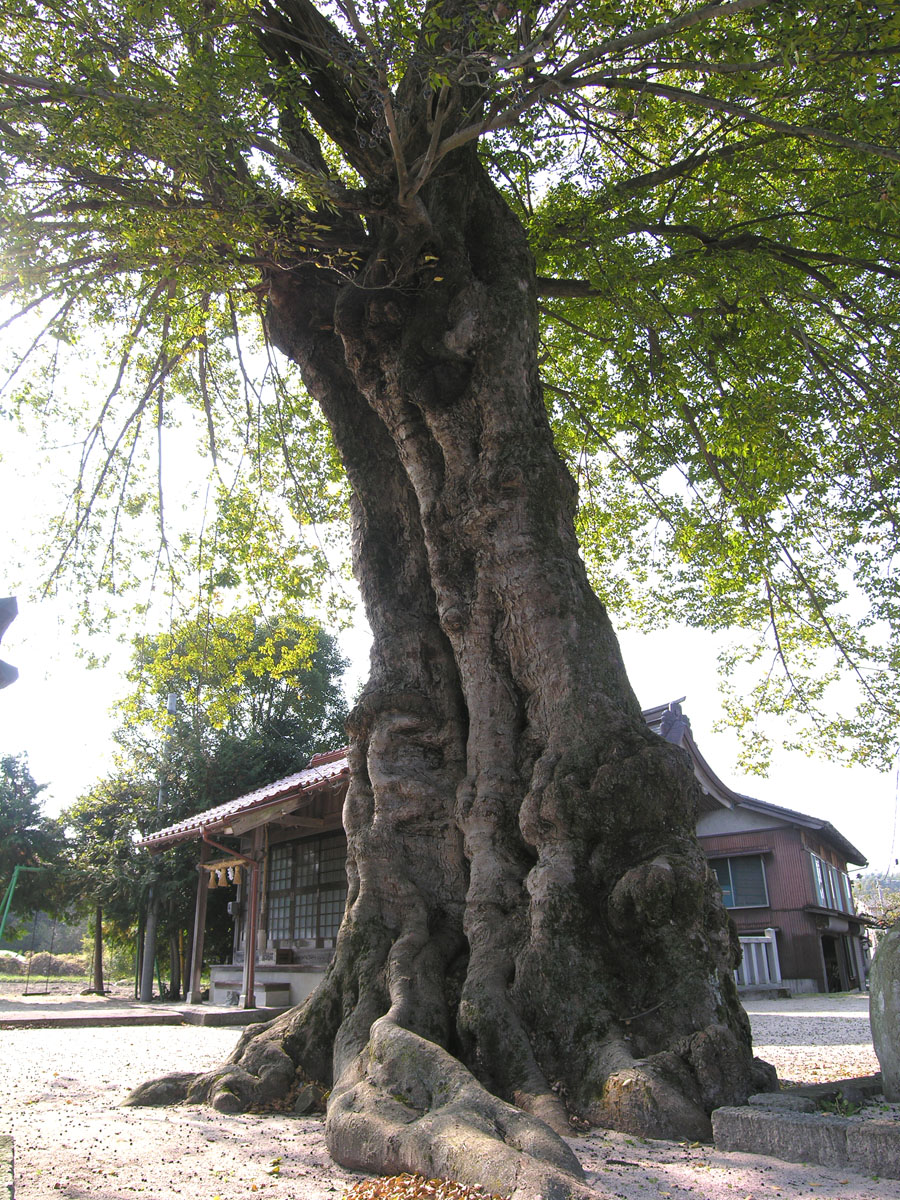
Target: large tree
256, 698
668, 233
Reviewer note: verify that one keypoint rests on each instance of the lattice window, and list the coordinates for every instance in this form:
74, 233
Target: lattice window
308, 890
279, 924
280, 868
280, 905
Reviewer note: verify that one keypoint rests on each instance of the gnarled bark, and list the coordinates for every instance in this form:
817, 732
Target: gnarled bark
532, 939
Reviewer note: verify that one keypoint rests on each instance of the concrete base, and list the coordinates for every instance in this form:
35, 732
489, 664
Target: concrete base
7, 1162
285, 985
870, 1146
236, 1016
265, 995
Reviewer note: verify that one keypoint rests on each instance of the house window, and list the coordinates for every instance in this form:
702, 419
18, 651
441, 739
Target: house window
832, 886
742, 880
307, 890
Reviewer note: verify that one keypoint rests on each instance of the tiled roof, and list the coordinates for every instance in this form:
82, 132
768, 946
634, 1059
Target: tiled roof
323, 769
670, 723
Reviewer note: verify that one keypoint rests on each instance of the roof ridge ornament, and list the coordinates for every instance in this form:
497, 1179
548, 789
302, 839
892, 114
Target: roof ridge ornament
674, 723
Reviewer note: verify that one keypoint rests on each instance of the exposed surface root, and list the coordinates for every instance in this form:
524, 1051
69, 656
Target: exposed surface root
258, 1075
168, 1089
406, 1105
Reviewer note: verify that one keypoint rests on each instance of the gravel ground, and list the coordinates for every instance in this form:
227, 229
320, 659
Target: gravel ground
814, 1039
61, 1089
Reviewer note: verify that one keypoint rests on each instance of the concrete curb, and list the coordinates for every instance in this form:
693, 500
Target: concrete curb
870, 1146
7, 1163
179, 1016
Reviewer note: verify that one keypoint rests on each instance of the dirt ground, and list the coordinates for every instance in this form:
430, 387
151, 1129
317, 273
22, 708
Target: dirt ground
61, 1091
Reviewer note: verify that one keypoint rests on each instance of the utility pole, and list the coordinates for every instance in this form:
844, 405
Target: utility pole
149, 958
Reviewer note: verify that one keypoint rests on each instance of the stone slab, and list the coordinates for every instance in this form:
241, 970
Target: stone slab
870, 1146
234, 1016
884, 1009
874, 1147
790, 1136
85, 1020
7, 1162
866, 1085
784, 1101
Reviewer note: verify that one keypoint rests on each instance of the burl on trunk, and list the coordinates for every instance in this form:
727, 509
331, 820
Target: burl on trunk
532, 943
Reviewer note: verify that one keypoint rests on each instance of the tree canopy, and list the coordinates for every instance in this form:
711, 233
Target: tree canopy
879, 897
710, 192
103, 866
256, 697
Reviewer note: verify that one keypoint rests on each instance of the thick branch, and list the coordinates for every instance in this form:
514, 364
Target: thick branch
567, 78
337, 79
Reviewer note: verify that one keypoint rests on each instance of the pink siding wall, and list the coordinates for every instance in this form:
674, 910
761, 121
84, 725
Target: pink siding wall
785, 851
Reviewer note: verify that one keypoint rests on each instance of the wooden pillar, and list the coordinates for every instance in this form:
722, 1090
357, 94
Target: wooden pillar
193, 995
248, 986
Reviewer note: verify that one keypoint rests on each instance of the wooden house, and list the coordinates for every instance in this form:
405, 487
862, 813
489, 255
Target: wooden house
783, 875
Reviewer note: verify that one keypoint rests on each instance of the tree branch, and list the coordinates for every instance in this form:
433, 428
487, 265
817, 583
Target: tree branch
564, 80
337, 78
684, 166
568, 289
662, 31
714, 104
791, 255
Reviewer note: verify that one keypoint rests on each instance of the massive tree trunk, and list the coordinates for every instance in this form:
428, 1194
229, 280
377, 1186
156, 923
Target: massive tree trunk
532, 942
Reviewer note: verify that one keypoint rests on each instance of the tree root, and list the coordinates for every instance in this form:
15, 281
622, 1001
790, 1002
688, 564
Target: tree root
258, 1074
415, 1187
406, 1105
403, 1105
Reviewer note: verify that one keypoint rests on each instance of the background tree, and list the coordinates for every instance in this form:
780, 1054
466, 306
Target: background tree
106, 875
666, 238
27, 839
256, 699
879, 896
